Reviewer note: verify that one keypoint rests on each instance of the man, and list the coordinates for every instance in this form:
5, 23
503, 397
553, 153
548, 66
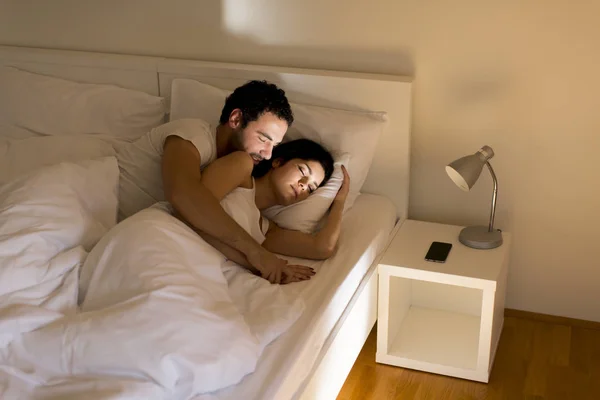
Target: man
254, 119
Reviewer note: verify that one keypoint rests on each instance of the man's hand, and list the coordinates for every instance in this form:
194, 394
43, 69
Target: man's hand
270, 266
296, 273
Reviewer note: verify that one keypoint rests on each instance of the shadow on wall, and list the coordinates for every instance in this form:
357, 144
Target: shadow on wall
217, 30
249, 43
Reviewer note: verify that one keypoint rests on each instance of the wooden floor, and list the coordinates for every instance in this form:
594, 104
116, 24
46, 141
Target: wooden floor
535, 360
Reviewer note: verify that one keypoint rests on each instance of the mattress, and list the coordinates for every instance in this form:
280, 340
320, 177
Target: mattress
287, 362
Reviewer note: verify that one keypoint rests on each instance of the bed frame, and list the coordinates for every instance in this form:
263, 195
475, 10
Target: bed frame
388, 175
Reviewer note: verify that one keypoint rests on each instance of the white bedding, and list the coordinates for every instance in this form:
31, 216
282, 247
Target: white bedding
286, 363
172, 333
136, 344
18, 157
148, 328
156, 322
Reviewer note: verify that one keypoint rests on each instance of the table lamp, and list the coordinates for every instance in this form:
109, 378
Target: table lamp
464, 172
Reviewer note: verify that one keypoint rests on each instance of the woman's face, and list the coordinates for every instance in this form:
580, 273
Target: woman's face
295, 180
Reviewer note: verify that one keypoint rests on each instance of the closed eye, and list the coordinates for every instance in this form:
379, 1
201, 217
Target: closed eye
264, 137
310, 188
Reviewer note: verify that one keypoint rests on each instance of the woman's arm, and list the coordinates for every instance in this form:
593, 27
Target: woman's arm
318, 246
225, 174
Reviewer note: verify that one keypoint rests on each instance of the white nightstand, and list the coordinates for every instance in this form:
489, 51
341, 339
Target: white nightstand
444, 318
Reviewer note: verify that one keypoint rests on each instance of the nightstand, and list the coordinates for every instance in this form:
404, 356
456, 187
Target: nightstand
444, 318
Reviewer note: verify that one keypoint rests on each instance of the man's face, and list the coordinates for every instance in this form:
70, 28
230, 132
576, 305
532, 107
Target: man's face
259, 137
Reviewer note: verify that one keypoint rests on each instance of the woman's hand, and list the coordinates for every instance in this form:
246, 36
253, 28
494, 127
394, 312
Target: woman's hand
342, 194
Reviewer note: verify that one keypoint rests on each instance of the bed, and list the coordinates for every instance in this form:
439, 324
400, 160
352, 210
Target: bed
312, 359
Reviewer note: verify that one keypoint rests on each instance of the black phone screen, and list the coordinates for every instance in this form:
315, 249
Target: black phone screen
438, 252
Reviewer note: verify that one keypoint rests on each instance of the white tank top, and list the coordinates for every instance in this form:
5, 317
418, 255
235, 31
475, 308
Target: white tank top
240, 204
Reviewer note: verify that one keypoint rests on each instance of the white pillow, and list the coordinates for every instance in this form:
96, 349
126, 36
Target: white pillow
51, 210
307, 215
193, 99
45, 105
18, 157
340, 131
355, 133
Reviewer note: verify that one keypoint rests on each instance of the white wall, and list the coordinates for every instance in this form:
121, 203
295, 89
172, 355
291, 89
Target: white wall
520, 76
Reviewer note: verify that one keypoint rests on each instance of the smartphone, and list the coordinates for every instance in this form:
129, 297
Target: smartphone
438, 252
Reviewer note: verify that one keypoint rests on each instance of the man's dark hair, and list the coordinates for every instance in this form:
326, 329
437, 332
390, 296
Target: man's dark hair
255, 98
303, 149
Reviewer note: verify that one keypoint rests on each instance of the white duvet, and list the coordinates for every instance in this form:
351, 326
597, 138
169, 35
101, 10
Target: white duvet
158, 319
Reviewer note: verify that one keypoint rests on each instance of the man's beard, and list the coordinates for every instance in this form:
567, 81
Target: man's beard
238, 144
256, 158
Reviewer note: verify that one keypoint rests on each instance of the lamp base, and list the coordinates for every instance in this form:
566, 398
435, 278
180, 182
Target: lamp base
478, 237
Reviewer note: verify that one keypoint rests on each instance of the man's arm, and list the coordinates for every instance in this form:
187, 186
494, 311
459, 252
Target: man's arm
290, 274
234, 255
199, 206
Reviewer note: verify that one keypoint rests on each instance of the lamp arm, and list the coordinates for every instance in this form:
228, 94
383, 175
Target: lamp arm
495, 195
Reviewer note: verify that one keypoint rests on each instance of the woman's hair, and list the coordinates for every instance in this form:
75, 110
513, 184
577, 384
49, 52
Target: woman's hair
303, 149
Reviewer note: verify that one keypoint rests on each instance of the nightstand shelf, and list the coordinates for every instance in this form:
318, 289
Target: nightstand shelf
444, 318
424, 336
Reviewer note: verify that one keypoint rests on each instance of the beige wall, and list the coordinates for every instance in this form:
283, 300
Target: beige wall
520, 76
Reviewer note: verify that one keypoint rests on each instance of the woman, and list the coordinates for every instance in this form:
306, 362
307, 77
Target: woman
296, 169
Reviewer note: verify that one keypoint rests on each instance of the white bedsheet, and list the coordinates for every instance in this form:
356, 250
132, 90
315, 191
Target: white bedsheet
157, 322
134, 348
29, 308
286, 363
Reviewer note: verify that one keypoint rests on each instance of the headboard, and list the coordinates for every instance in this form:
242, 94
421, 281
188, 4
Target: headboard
133, 72
390, 171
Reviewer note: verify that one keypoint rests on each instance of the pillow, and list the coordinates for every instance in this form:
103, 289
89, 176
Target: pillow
193, 99
45, 105
306, 216
51, 210
355, 133
18, 157
341, 131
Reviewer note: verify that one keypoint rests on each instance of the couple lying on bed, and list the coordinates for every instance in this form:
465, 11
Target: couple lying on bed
296, 169
216, 178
